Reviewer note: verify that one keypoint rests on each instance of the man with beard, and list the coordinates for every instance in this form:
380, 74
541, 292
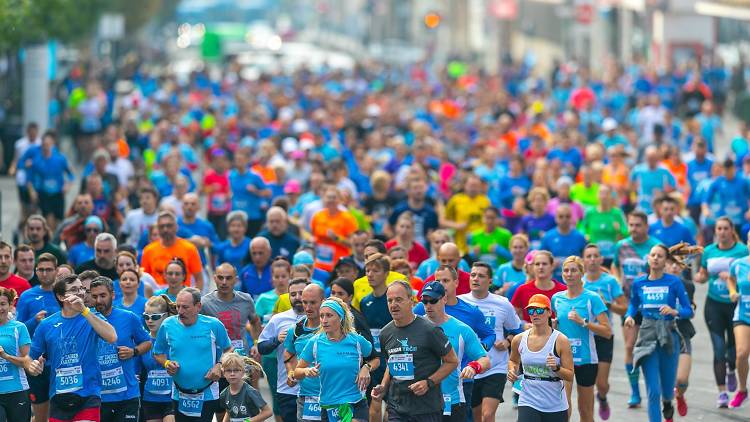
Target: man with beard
120, 392
37, 233
160, 252
86, 278
191, 341
23, 256
105, 252
69, 341
273, 336
8, 279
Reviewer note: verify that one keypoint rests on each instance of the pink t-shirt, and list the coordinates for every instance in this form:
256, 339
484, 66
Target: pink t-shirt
219, 200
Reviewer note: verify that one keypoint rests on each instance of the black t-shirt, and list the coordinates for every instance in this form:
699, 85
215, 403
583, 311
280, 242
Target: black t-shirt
91, 265
413, 353
246, 404
48, 247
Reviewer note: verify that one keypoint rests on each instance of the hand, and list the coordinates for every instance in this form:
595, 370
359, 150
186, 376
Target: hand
378, 392
75, 302
512, 376
667, 310
254, 353
214, 374
290, 381
573, 316
40, 315
313, 372
172, 367
2, 351
724, 275
282, 336
419, 388
468, 373
502, 344
734, 297
629, 322
552, 362
36, 366
252, 189
363, 378
125, 353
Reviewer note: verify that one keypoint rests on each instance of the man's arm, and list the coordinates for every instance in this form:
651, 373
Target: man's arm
103, 328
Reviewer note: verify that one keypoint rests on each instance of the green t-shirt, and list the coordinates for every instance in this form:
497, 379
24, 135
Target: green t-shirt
715, 261
632, 258
599, 228
588, 196
264, 305
487, 243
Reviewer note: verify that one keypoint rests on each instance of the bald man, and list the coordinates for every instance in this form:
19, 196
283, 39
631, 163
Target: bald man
255, 277
197, 230
448, 254
283, 242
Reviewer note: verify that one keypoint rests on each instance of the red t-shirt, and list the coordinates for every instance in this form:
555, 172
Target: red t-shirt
525, 291
415, 255
463, 283
219, 200
19, 284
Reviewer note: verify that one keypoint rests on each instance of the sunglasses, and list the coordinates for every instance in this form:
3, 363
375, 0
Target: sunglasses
153, 317
429, 301
538, 311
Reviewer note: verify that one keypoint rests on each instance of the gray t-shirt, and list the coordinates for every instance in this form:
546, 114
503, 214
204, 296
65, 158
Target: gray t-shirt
234, 315
246, 404
413, 353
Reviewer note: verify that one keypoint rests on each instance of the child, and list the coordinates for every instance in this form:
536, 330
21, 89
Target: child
240, 401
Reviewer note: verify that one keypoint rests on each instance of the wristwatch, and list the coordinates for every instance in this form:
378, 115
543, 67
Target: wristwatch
430, 383
368, 366
585, 322
135, 351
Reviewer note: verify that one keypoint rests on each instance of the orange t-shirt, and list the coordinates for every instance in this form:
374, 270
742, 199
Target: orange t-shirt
156, 257
679, 171
327, 250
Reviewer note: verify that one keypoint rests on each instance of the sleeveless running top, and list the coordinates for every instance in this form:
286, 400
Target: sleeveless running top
542, 389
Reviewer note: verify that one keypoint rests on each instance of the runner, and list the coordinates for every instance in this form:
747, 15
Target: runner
235, 246
604, 225
14, 351
464, 210
564, 240
581, 314
500, 316
512, 272
607, 287
69, 341
660, 298
718, 310
419, 357
465, 344
130, 300
175, 274
239, 400
190, 346
490, 243
542, 283
338, 357
9, 280
157, 384
738, 285
331, 228
545, 356
159, 253
120, 392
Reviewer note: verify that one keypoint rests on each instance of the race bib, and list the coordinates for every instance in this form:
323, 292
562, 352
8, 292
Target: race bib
333, 414
113, 381
5, 370
401, 367
158, 382
68, 380
51, 186
654, 297
324, 254
744, 306
447, 404
311, 409
375, 338
575, 348
239, 346
190, 404
219, 202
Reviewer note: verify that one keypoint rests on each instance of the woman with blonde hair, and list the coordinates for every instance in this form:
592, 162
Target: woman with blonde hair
336, 355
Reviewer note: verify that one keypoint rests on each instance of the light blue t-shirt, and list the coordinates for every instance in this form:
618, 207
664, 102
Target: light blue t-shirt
308, 387
606, 287
118, 376
716, 261
650, 183
740, 271
588, 305
340, 362
13, 336
430, 265
242, 199
196, 348
467, 347
562, 246
508, 274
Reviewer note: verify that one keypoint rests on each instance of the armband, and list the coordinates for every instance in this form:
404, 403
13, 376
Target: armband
476, 366
85, 311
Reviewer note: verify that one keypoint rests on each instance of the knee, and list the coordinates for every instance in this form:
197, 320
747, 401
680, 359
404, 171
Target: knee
743, 353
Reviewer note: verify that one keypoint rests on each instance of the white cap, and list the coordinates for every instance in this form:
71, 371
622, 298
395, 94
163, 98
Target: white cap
289, 144
609, 124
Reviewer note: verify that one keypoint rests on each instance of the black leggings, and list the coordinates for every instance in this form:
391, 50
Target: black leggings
15, 407
718, 317
529, 414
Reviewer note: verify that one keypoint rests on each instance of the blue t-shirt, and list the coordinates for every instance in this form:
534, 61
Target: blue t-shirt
70, 345
430, 265
253, 283
157, 386
31, 302
375, 310
732, 195
588, 305
79, 254
285, 245
716, 261
533, 226
468, 348
226, 252
563, 246
118, 376
201, 228
648, 296
697, 171
572, 157
508, 189
241, 198
196, 348
118, 290
631, 258
469, 315
508, 274
308, 387
650, 183
606, 287
13, 336
339, 362
671, 235
137, 308
740, 271
48, 174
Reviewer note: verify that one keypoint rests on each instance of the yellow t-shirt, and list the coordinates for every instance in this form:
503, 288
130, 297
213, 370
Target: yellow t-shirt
463, 209
362, 287
282, 304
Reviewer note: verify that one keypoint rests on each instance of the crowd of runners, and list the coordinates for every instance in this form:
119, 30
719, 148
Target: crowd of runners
376, 243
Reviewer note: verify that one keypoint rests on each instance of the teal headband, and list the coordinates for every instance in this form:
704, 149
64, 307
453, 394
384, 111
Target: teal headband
335, 306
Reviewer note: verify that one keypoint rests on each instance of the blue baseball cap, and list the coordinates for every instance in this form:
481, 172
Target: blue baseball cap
433, 289
303, 257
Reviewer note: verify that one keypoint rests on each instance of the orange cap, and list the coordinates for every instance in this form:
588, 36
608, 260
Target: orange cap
539, 301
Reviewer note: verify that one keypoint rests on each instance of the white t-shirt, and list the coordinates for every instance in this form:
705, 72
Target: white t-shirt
121, 168
136, 222
280, 323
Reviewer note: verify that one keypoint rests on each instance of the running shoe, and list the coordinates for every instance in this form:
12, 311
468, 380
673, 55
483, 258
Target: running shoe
635, 400
682, 407
723, 401
731, 382
667, 410
603, 408
738, 399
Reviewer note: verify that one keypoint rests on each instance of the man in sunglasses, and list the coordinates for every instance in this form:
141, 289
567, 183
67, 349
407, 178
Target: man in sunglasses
120, 392
105, 253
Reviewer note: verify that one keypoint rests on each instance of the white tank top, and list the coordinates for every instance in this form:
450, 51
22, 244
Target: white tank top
541, 388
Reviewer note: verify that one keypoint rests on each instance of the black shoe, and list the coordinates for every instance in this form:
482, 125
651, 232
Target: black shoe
667, 410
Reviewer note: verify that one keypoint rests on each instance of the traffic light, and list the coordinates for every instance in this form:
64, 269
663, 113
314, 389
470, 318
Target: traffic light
432, 20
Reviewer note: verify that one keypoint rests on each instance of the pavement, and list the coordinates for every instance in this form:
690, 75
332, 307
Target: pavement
701, 395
